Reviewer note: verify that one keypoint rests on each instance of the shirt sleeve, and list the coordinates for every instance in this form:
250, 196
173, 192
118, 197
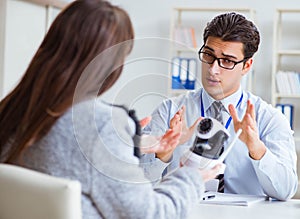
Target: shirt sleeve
276, 171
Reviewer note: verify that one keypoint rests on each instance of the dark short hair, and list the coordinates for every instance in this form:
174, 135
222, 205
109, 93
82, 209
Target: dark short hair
236, 28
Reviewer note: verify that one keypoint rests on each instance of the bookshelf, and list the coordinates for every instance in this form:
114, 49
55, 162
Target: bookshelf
286, 55
196, 19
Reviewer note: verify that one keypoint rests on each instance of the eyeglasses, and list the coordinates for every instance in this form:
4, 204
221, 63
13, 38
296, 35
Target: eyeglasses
222, 62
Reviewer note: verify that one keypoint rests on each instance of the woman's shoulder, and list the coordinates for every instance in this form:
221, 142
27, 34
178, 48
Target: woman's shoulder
95, 107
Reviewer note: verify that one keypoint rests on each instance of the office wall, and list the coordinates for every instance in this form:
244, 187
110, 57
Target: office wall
143, 84
23, 26
152, 19
148, 59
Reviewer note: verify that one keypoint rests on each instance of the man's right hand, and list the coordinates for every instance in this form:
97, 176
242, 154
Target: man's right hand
186, 132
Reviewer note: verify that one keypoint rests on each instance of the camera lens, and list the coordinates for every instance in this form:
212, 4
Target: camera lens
205, 125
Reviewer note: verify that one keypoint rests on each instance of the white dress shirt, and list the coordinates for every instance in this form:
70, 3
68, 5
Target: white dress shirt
274, 175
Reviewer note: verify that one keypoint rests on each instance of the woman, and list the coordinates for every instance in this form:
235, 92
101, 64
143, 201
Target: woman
54, 122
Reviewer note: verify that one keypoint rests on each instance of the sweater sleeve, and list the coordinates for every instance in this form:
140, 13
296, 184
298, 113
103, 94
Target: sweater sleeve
119, 188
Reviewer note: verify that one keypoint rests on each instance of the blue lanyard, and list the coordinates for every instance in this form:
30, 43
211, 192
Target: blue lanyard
230, 118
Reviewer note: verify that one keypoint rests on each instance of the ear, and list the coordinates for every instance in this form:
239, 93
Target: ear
247, 66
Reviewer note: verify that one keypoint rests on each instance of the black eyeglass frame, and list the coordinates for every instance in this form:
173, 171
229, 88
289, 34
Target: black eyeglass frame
218, 59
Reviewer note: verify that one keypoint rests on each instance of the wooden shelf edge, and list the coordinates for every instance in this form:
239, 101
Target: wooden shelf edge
288, 10
213, 9
54, 3
288, 52
278, 95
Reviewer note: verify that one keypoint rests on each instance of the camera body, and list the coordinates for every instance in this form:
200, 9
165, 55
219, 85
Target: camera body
208, 145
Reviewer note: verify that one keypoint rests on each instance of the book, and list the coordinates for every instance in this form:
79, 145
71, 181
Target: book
185, 35
288, 82
288, 111
231, 199
184, 72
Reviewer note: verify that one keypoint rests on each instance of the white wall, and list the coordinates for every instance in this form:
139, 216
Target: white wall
144, 81
20, 39
152, 19
23, 26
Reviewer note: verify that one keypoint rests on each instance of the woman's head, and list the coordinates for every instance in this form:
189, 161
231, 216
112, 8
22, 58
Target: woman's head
81, 32
234, 28
84, 30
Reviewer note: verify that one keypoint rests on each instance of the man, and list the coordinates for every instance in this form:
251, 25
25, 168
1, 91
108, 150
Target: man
263, 161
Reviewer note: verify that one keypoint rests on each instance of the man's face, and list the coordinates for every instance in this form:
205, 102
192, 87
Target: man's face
220, 82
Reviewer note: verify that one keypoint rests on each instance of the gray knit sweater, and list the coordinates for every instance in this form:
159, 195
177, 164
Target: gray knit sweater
92, 143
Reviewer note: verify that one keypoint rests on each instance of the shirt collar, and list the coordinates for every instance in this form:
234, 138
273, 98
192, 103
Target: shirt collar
232, 99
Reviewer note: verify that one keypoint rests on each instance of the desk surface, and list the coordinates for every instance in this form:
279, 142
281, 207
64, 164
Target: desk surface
259, 210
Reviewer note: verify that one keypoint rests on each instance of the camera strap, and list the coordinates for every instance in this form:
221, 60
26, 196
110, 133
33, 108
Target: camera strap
138, 130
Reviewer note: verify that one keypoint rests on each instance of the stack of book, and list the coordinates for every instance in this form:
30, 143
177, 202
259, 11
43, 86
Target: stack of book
184, 72
288, 82
185, 35
288, 111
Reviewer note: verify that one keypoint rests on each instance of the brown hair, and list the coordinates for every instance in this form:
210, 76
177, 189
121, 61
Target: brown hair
234, 27
81, 32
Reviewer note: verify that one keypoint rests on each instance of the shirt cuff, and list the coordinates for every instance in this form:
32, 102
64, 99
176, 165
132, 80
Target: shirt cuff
265, 164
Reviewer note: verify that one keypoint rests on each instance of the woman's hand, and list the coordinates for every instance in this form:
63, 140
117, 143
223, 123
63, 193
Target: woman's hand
163, 146
209, 174
145, 121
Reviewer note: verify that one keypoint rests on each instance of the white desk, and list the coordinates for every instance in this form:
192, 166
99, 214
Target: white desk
260, 210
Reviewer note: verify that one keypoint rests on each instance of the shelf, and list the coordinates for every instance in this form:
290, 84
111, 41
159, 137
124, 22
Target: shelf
54, 3
192, 50
177, 92
189, 9
278, 95
288, 10
289, 52
279, 52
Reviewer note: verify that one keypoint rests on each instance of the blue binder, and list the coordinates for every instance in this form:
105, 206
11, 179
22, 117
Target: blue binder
288, 111
184, 72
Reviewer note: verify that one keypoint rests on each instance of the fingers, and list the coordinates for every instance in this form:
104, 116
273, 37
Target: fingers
178, 117
165, 144
182, 115
174, 121
215, 170
251, 109
169, 134
196, 123
250, 121
145, 121
149, 144
233, 114
169, 139
208, 174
